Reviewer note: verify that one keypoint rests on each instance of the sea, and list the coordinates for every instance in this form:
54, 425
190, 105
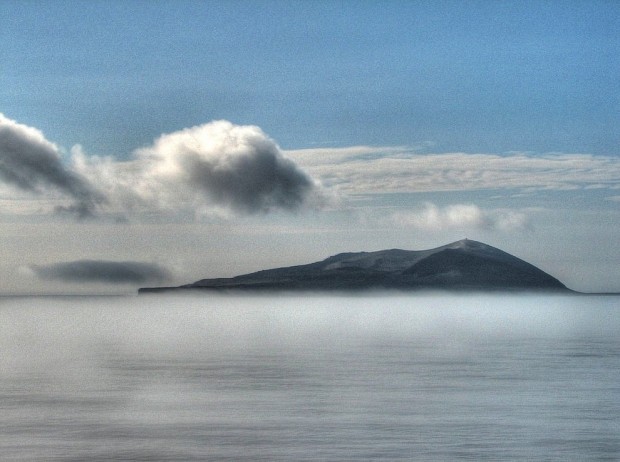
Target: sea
310, 377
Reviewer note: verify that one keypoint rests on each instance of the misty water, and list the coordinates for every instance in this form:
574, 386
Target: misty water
299, 378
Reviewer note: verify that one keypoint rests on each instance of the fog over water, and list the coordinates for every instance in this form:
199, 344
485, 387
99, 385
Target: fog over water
310, 377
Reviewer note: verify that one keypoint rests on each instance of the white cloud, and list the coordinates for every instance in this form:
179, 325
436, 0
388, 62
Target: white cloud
215, 168
460, 216
237, 167
366, 170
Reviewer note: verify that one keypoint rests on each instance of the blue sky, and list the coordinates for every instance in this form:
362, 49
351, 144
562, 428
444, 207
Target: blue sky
472, 76
357, 94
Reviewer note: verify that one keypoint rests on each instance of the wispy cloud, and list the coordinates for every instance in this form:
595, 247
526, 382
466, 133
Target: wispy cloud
102, 271
31, 163
366, 170
430, 217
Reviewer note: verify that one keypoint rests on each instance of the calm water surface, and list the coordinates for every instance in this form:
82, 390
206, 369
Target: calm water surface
305, 378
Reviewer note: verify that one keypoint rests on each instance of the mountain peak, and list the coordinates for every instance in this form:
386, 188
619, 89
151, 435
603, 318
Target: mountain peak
467, 244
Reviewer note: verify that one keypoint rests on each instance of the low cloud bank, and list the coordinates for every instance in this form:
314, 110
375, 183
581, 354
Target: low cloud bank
102, 271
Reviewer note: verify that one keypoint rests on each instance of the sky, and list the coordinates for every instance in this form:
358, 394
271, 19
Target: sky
161, 142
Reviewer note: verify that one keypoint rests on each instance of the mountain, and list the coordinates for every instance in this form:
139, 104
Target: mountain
461, 265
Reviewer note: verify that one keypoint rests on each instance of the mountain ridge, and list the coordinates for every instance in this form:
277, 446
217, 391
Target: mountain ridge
460, 266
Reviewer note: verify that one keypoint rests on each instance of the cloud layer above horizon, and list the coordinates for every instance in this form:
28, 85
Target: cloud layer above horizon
225, 169
217, 166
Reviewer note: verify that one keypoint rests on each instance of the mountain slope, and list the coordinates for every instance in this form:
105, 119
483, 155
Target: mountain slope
461, 265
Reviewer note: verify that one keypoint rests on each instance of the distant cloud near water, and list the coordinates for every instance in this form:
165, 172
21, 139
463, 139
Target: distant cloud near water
102, 271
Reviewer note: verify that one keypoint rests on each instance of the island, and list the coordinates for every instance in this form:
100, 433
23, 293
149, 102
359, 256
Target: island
465, 265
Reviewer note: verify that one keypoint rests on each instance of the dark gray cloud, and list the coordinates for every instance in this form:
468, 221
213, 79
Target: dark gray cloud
256, 181
31, 163
102, 271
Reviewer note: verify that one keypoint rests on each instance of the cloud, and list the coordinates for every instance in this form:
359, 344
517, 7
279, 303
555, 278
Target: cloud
31, 163
216, 166
229, 165
458, 216
372, 170
101, 271
223, 169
